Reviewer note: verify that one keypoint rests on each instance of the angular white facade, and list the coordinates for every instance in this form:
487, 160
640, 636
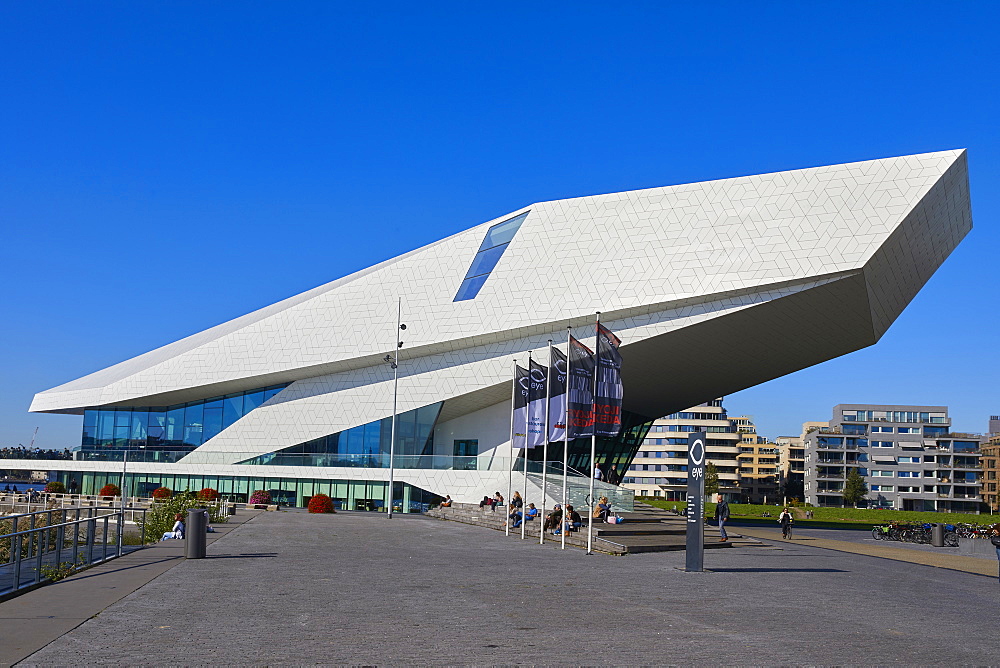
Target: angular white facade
714, 284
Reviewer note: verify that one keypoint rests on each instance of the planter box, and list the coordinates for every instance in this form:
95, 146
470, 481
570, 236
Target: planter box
976, 547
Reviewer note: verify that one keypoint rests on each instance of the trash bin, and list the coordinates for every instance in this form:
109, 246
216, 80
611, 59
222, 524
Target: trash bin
937, 535
195, 533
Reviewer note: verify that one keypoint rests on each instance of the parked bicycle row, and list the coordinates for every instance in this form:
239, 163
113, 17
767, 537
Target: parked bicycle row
921, 533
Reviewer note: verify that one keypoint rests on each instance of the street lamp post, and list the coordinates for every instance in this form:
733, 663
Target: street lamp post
121, 491
393, 361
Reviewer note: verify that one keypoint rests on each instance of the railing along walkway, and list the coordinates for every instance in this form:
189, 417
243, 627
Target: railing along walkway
31, 542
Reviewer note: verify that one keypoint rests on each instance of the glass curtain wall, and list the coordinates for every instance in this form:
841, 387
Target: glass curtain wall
346, 494
614, 455
179, 428
367, 445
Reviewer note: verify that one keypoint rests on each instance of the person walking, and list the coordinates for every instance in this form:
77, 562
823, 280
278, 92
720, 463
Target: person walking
785, 520
995, 539
722, 516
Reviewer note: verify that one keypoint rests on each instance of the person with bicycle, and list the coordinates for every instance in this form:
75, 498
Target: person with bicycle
786, 521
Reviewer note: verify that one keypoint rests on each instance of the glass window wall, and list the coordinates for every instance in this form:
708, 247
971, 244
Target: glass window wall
367, 445
181, 427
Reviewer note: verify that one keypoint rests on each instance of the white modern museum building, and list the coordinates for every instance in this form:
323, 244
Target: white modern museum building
712, 287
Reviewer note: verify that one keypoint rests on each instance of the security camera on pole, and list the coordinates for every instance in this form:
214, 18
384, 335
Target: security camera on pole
393, 361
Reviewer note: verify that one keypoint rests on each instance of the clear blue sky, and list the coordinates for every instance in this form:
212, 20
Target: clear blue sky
167, 166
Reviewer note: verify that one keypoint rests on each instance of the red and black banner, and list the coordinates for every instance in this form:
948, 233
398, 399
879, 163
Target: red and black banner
608, 394
580, 390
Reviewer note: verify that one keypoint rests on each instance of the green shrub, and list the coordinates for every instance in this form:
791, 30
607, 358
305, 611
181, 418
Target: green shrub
55, 487
160, 518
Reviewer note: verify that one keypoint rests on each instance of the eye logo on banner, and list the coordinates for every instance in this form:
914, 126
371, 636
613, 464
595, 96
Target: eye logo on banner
522, 391
557, 395
536, 404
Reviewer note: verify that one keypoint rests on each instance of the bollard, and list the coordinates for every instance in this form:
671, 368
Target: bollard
937, 535
195, 533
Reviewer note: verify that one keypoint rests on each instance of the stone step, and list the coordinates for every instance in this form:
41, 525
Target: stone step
609, 538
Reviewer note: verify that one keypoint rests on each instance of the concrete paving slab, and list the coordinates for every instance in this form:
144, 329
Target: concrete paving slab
36, 618
359, 589
941, 558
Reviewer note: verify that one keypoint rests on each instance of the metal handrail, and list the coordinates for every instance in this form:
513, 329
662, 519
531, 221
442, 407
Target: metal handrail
50, 540
54, 526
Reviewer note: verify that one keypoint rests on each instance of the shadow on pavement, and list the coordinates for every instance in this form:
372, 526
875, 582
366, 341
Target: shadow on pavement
269, 555
778, 570
85, 575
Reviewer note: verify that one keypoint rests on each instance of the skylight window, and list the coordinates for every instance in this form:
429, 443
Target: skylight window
497, 239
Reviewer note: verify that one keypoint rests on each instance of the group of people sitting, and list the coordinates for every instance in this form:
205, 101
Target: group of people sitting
557, 521
518, 513
492, 504
554, 520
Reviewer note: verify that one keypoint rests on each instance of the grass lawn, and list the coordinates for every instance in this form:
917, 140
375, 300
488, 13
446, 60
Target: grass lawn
858, 517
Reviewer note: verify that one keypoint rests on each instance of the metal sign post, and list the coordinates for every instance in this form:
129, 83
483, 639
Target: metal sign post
695, 557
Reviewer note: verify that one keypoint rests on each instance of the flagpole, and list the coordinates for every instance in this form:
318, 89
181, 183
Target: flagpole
569, 363
545, 443
527, 419
395, 395
510, 467
593, 437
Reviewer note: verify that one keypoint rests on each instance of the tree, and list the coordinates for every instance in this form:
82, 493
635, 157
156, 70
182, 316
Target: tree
855, 488
711, 479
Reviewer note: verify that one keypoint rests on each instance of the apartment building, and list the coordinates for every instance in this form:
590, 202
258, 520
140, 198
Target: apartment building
660, 466
910, 458
791, 467
991, 466
758, 463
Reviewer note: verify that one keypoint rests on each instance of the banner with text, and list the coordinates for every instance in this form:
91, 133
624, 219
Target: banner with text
536, 404
580, 388
557, 395
608, 398
519, 417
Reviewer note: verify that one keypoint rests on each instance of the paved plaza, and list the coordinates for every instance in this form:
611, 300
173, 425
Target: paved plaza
356, 588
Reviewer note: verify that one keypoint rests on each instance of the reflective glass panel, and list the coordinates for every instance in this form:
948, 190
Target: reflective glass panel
212, 424
140, 421
252, 400
232, 409
175, 426
485, 261
106, 427
502, 233
470, 287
